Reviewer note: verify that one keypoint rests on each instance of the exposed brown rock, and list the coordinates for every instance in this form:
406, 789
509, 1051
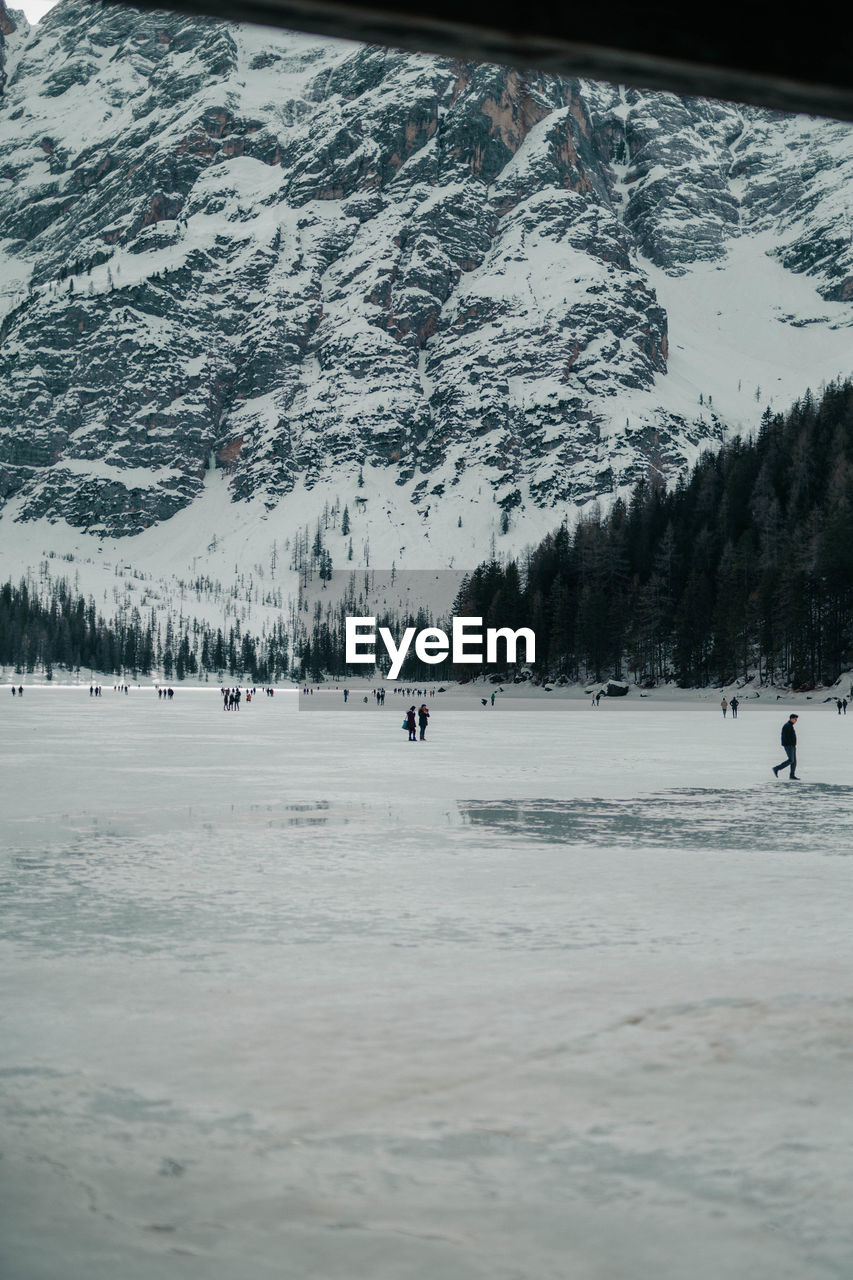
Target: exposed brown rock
515, 112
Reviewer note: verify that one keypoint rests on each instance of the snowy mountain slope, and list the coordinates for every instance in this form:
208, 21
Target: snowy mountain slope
241, 268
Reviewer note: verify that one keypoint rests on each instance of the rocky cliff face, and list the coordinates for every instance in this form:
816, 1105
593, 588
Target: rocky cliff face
285, 257
11, 24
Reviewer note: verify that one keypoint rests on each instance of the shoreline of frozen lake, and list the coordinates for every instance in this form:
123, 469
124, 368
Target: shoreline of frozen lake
746, 691
556, 992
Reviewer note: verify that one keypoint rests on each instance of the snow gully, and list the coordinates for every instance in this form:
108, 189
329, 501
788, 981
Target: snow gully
433, 645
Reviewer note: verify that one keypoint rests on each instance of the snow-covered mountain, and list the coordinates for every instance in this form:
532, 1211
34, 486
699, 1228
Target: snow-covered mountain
246, 273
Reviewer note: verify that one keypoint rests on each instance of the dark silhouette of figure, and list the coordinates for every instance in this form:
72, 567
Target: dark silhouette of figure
789, 742
411, 724
423, 719
734, 704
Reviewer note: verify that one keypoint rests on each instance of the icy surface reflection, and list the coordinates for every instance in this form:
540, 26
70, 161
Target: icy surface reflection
816, 817
285, 996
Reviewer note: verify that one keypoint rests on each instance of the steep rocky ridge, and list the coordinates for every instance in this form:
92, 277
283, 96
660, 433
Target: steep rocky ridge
289, 259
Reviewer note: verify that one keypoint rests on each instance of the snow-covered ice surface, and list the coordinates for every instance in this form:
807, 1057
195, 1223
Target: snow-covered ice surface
558, 992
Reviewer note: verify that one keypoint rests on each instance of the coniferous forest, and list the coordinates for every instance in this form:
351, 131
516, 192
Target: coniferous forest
65, 630
744, 568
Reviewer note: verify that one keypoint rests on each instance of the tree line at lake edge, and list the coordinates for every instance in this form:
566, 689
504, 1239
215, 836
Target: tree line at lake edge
743, 568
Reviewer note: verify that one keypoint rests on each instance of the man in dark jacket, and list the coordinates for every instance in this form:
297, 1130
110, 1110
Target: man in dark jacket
789, 742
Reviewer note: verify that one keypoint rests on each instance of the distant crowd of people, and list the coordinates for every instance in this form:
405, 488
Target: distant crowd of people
416, 718
378, 695
231, 698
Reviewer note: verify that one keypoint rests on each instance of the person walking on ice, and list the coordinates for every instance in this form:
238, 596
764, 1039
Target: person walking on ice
734, 704
725, 707
789, 742
423, 719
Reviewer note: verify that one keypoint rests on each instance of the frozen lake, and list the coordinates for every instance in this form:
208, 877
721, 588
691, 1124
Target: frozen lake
556, 993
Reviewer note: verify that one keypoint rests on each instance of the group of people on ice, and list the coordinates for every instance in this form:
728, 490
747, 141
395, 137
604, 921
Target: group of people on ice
231, 698
379, 695
730, 706
416, 719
